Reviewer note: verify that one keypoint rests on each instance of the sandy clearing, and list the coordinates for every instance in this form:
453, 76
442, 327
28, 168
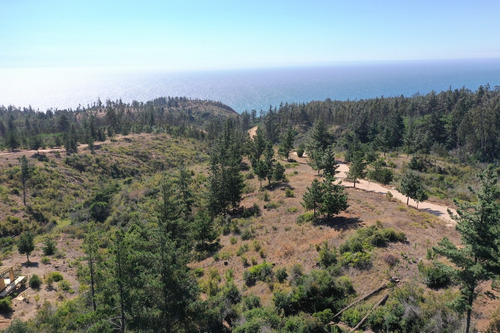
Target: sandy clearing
253, 131
369, 186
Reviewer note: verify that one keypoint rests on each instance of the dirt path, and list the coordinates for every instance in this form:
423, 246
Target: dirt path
434, 209
253, 131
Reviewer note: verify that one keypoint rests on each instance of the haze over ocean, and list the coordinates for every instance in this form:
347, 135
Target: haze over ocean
242, 89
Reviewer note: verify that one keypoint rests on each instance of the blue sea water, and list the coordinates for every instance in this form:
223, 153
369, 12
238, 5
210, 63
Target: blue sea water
45, 88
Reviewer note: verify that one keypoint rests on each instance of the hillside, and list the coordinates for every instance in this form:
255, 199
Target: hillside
178, 227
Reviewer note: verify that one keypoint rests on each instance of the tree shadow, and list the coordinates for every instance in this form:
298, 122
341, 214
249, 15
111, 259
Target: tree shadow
433, 212
274, 186
28, 264
338, 222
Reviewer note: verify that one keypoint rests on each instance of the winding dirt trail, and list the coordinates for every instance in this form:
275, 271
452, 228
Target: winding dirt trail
369, 186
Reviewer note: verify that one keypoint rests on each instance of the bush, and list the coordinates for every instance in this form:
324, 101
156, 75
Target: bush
300, 150
50, 247
381, 175
281, 274
243, 248
306, 217
251, 302
289, 193
247, 234
327, 257
5, 305
436, 275
35, 282
45, 260
54, 277
261, 272
64, 285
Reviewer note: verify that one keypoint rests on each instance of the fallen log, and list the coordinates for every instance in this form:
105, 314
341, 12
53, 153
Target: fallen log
382, 300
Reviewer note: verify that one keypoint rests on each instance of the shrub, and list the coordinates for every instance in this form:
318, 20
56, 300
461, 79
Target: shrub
289, 193
50, 247
281, 274
251, 302
306, 217
436, 275
45, 260
5, 305
271, 205
261, 272
360, 260
64, 285
233, 240
54, 277
35, 282
247, 234
327, 257
243, 248
300, 150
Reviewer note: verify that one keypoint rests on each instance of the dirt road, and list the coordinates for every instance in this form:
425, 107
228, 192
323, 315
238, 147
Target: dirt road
432, 208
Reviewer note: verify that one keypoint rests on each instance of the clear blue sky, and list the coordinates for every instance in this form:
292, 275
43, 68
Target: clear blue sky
204, 34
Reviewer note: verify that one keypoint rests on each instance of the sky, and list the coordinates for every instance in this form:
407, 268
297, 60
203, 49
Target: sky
232, 34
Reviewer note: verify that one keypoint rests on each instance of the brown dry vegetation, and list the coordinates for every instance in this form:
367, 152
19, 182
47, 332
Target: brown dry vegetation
283, 241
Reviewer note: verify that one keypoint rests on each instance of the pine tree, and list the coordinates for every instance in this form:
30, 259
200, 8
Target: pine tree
269, 160
357, 168
286, 143
411, 187
328, 163
26, 244
225, 183
478, 257
26, 173
334, 199
313, 197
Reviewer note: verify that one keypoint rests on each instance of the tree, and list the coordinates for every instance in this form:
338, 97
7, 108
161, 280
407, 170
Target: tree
260, 169
26, 244
334, 199
26, 172
357, 168
269, 160
411, 187
478, 257
91, 249
225, 183
313, 197
286, 143
279, 173
328, 162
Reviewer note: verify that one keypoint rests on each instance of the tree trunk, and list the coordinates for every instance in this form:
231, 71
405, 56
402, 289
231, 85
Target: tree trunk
354, 183
469, 311
24, 192
407, 201
27, 257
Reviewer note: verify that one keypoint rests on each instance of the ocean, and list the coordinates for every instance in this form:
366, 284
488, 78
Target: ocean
60, 88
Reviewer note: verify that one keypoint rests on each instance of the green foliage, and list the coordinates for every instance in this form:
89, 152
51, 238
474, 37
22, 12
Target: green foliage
327, 257
35, 282
289, 193
306, 217
381, 174
54, 277
436, 275
281, 274
50, 247
26, 244
314, 292
300, 150
262, 272
478, 257
411, 186
251, 302
6, 305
